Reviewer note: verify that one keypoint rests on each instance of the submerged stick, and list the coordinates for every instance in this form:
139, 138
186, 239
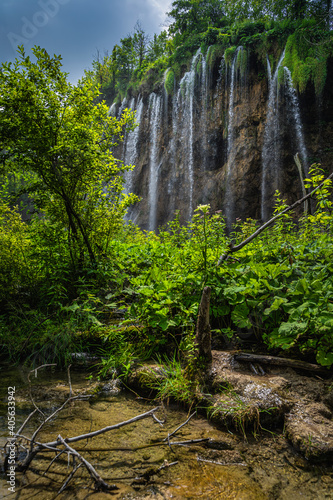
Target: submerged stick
55, 444
100, 484
179, 427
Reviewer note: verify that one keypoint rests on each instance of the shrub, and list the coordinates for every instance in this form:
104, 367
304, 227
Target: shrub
14, 251
169, 81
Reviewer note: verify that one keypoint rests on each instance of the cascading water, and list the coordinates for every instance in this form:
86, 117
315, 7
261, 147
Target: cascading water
229, 199
185, 100
131, 142
301, 149
112, 109
214, 114
156, 107
122, 107
219, 80
271, 152
204, 105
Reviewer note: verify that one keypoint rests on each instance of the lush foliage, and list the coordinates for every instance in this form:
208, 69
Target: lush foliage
76, 278
52, 130
142, 298
308, 61
138, 64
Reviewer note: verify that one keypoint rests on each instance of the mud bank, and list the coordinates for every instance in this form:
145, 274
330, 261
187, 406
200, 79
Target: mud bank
247, 399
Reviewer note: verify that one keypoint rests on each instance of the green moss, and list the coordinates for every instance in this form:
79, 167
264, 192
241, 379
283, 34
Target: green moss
169, 81
242, 61
306, 61
199, 65
229, 54
214, 52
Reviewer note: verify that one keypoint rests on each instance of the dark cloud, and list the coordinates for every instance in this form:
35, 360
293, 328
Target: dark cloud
76, 29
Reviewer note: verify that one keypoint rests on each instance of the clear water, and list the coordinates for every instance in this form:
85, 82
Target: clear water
229, 469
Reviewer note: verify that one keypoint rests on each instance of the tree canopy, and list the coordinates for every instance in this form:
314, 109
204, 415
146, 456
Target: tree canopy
50, 128
198, 15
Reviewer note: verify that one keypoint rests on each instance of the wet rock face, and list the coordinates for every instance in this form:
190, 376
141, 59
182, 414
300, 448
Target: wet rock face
226, 137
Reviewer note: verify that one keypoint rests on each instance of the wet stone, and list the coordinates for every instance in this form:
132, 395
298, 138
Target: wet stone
310, 431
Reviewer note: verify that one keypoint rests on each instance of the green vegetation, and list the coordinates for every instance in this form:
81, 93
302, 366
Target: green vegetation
75, 278
307, 61
140, 300
169, 82
138, 63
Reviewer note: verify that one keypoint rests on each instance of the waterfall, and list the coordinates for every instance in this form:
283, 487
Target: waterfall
204, 106
231, 112
198, 139
219, 80
112, 109
183, 126
186, 86
301, 149
122, 107
155, 104
173, 149
131, 145
271, 152
229, 197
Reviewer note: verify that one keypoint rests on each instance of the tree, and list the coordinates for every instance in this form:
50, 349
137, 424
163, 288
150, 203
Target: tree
241, 10
159, 46
140, 43
53, 129
195, 16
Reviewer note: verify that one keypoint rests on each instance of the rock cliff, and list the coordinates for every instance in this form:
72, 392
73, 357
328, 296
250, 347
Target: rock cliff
227, 136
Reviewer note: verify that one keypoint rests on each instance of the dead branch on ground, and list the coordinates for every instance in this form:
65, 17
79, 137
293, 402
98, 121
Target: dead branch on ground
61, 445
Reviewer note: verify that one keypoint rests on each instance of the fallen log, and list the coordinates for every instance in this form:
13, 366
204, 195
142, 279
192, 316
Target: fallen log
274, 360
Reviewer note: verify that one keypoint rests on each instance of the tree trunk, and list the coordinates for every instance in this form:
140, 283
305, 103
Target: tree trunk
203, 334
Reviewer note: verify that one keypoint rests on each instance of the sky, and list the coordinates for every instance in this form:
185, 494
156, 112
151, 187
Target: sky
75, 29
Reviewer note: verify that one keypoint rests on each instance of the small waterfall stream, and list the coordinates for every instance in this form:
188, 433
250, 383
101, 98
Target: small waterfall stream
204, 110
156, 108
131, 142
297, 121
271, 152
231, 153
273, 139
185, 101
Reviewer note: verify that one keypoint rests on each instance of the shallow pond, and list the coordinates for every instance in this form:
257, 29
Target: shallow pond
137, 460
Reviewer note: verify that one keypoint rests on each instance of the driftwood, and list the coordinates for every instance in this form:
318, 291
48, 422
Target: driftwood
273, 360
203, 334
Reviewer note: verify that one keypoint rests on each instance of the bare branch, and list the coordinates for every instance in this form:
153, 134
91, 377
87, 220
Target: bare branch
68, 479
182, 425
107, 429
26, 421
54, 444
262, 228
100, 484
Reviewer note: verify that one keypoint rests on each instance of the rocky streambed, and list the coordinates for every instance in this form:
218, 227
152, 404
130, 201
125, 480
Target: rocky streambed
268, 436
